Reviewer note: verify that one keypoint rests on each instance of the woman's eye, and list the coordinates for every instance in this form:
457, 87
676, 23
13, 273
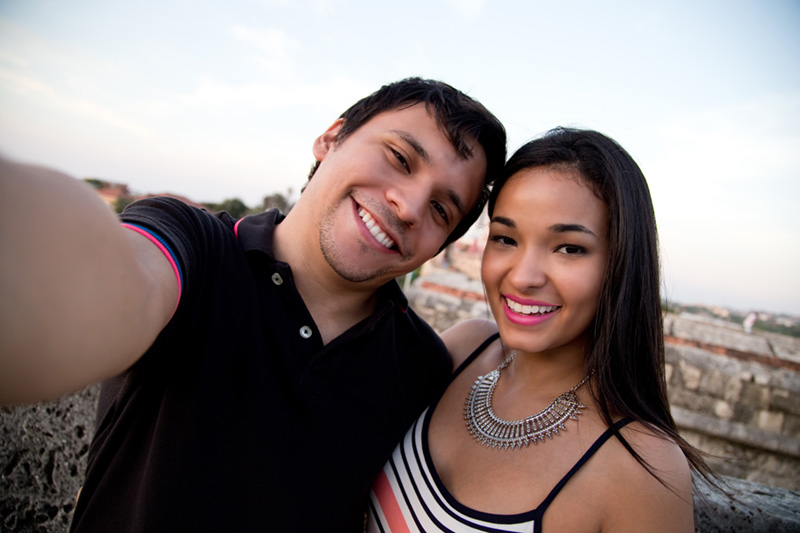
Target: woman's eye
401, 159
571, 249
503, 240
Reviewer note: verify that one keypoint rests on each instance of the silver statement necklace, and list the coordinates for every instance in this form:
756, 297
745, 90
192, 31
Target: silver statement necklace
492, 431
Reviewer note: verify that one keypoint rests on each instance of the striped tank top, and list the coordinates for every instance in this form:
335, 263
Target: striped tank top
409, 496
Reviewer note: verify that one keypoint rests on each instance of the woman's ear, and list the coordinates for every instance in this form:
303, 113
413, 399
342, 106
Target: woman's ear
325, 142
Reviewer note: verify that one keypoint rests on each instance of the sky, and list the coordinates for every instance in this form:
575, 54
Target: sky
215, 100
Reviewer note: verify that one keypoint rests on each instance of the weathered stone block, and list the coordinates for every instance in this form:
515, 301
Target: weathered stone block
770, 421
784, 400
733, 389
786, 352
691, 400
690, 375
43, 452
754, 395
762, 379
723, 410
746, 414
791, 425
755, 508
713, 383
725, 335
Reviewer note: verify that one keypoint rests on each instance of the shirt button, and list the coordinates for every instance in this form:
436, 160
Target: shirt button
277, 279
305, 332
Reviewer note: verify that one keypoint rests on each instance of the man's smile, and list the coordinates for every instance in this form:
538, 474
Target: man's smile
375, 229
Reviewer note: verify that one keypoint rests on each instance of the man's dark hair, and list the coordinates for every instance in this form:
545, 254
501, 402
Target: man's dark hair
461, 118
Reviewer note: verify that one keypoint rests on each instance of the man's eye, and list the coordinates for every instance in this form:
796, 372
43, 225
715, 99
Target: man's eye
441, 211
401, 159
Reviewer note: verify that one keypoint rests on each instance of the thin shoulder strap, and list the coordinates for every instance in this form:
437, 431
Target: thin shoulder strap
475, 354
586, 456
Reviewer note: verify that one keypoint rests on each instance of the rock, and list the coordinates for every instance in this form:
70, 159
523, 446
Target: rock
754, 508
43, 453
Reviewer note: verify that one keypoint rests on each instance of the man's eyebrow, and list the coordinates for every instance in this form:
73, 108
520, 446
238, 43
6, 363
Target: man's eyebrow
566, 228
456, 201
420, 150
414, 143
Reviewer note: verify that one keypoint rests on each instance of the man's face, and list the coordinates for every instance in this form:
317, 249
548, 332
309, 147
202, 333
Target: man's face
390, 193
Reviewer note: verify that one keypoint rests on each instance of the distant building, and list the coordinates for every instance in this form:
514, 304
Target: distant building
176, 196
720, 311
111, 193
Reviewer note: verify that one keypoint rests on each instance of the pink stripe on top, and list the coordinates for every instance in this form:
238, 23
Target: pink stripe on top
164, 250
388, 503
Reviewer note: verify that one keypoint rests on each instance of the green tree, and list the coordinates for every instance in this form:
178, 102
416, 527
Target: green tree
234, 206
96, 183
122, 202
279, 200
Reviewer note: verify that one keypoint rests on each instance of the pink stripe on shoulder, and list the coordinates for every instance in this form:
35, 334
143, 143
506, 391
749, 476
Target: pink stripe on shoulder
172, 262
388, 503
236, 227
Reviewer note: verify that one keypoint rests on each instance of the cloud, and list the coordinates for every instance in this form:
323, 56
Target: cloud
33, 88
468, 8
274, 48
333, 94
748, 140
323, 7
727, 164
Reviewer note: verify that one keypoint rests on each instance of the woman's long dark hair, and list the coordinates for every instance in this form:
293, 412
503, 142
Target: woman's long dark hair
626, 349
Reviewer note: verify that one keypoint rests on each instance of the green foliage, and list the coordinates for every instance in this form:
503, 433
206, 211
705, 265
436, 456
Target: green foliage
96, 183
122, 202
237, 208
234, 206
669, 307
277, 200
793, 331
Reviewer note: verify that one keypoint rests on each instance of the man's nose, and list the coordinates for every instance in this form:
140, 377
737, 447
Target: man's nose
409, 201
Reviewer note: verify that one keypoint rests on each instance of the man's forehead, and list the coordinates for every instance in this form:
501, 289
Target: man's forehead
467, 147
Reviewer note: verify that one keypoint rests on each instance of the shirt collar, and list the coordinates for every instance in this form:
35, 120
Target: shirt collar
256, 233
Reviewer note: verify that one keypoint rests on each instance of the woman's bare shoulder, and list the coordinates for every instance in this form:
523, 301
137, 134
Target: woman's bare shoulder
462, 339
641, 500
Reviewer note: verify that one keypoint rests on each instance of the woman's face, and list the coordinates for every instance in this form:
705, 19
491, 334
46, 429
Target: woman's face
544, 261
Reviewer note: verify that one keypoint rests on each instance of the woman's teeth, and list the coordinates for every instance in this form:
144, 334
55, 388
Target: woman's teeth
530, 309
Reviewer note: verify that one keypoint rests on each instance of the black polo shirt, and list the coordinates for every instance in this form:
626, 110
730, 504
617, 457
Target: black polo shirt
238, 418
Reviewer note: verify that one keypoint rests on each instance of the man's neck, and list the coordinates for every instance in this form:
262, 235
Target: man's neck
335, 304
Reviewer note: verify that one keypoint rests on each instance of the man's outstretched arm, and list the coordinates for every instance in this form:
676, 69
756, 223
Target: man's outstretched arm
81, 297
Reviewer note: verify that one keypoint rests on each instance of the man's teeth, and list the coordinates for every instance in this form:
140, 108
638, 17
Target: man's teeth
530, 309
375, 229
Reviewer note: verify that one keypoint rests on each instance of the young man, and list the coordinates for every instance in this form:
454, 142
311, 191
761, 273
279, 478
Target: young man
269, 365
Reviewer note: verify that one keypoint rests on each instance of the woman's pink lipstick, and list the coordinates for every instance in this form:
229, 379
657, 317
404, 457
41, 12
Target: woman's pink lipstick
528, 319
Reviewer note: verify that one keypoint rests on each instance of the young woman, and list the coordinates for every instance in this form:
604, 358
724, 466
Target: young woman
560, 423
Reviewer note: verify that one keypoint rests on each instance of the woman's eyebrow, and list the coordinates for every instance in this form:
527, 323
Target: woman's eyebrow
566, 228
504, 221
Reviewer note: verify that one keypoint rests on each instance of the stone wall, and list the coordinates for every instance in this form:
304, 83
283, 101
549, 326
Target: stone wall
733, 396
741, 408
735, 399
43, 452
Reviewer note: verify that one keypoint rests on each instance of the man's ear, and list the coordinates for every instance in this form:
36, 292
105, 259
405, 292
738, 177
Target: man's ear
327, 140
